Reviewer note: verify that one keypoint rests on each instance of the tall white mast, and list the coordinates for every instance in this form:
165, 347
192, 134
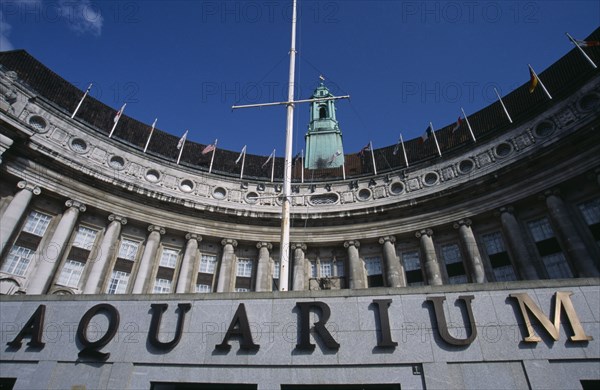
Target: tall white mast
284, 248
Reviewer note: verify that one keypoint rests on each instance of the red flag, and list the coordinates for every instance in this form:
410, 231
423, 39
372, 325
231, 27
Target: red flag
588, 43
208, 149
457, 125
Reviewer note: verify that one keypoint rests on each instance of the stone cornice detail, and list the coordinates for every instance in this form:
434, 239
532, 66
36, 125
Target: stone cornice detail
118, 218
352, 243
193, 236
25, 185
229, 241
383, 240
75, 204
159, 229
298, 245
267, 245
424, 232
462, 222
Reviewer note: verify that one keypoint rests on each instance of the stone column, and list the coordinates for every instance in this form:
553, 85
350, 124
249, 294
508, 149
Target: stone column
517, 244
148, 257
51, 254
574, 246
105, 254
471, 249
394, 271
431, 266
263, 277
226, 277
5, 144
15, 210
357, 269
299, 282
187, 264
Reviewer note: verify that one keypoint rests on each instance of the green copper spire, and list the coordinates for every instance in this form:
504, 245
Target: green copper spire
324, 147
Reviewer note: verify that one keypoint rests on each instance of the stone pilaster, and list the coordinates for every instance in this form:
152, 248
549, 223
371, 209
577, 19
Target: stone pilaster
226, 277
431, 265
574, 246
50, 256
93, 285
517, 245
394, 271
148, 257
357, 277
467, 239
184, 281
299, 280
264, 279
15, 211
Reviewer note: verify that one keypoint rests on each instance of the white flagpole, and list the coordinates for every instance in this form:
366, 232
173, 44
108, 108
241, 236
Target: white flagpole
540, 81
373, 157
182, 140
120, 113
403, 150
81, 101
243, 162
344, 166
150, 135
582, 51
435, 139
468, 124
273, 166
302, 164
212, 158
503, 106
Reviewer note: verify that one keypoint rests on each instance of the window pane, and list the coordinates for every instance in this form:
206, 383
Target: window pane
411, 261
505, 274
241, 289
557, 266
326, 269
202, 288
85, 238
244, 268
591, 211
118, 283
17, 261
71, 273
373, 265
339, 268
37, 223
162, 286
208, 264
128, 249
169, 258
451, 254
276, 270
541, 229
493, 243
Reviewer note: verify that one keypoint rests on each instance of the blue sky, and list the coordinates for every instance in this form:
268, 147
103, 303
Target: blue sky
404, 63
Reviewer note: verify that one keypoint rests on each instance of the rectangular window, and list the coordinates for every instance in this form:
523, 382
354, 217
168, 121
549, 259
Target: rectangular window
244, 268
549, 249
162, 286
412, 268
276, 270
499, 258
557, 266
118, 283
591, 214
168, 258
71, 273
541, 229
128, 249
339, 268
85, 238
208, 264
202, 288
326, 269
37, 223
373, 265
17, 261
454, 264
313, 269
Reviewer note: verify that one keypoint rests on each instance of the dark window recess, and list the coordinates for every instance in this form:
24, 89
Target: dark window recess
7, 383
28, 240
394, 386
455, 269
595, 228
500, 260
414, 276
375, 280
123, 265
241, 282
204, 278
165, 273
275, 285
200, 386
548, 246
590, 384
79, 254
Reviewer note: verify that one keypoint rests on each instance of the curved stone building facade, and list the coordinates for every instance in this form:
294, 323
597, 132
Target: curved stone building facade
93, 229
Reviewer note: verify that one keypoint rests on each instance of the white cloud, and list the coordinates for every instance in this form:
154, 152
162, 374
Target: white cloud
82, 16
4, 33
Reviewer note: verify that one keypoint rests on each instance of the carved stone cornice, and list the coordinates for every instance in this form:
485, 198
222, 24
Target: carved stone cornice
117, 218
354, 243
155, 228
25, 185
267, 245
75, 204
424, 232
383, 240
229, 241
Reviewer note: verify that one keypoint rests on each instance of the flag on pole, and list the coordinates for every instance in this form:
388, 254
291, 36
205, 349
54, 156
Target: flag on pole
321, 77
182, 140
296, 158
427, 134
81, 101
213, 148
242, 153
269, 159
468, 124
366, 148
457, 125
209, 148
396, 148
116, 119
150, 135
403, 149
579, 44
583, 43
503, 106
535, 80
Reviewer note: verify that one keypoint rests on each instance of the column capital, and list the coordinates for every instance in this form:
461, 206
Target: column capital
193, 236
383, 240
298, 245
76, 204
159, 229
229, 241
25, 185
551, 192
353, 243
267, 245
462, 222
506, 209
424, 232
118, 218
